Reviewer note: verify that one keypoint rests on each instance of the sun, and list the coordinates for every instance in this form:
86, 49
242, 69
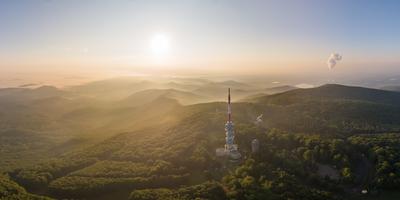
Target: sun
160, 44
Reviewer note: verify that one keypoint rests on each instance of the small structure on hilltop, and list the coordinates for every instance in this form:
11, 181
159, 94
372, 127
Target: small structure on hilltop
255, 146
364, 191
259, 120
231, 149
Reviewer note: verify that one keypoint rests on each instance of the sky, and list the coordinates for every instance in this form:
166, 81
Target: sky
74, 39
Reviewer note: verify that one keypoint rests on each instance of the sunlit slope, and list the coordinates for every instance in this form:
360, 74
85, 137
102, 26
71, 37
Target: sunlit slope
202, 90
122, 87
146, 96
50, 108
217, 90
29, 135
28, 94
160, 156
111, 89
38, 128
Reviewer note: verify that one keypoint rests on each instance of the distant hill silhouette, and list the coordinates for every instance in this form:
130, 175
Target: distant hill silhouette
395, 88
279, 89
146, 96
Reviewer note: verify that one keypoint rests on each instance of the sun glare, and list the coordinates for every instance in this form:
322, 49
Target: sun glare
160, 44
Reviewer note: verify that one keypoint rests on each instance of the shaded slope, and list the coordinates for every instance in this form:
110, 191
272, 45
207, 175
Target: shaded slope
334, 92
332, 108
395, 88
11, 190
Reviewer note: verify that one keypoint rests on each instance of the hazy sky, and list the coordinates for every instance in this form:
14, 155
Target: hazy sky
83, 37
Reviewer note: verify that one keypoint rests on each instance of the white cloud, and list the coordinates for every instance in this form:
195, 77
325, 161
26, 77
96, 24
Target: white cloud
333, 59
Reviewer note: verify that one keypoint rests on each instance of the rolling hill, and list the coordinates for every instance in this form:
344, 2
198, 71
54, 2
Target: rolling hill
395, 88
332, 92
11, 190
145, 96
159, 138
279, 89
333, 108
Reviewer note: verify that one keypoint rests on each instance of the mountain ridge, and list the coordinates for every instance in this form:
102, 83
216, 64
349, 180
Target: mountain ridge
335, 92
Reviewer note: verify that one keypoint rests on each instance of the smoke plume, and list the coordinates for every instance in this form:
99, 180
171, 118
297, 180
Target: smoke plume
333, 59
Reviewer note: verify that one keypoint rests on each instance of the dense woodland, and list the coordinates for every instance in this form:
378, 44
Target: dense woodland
9, 190
330, 142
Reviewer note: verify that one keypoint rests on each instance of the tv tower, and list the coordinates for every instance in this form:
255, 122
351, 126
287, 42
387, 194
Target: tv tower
229, 132
230, 148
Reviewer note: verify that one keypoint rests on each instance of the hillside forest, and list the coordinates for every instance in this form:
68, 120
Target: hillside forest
143, 139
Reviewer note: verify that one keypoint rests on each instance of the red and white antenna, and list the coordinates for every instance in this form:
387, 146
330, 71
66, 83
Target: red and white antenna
229, 106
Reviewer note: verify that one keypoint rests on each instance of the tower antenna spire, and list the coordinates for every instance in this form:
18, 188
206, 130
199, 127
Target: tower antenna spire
229, 106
